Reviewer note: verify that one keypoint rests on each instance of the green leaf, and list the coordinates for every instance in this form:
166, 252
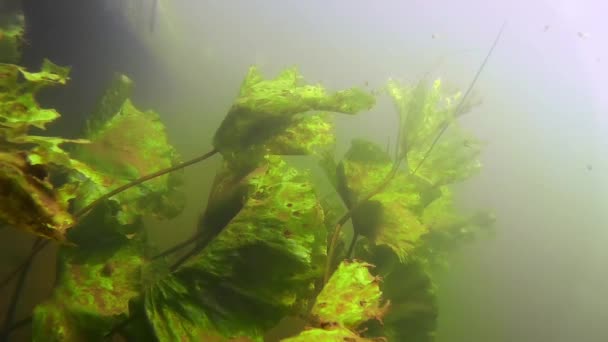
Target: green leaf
128, 145
454, 159
424, 112
351, 297
111, 102
29, 200
259, 267
48, 150
389, 218
93, 290
409, 288
272, 109
18, 106
308, 135
50, 74
337, 334
327, 163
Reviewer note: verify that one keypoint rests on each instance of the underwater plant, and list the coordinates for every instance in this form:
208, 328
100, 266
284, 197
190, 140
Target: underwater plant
267, 246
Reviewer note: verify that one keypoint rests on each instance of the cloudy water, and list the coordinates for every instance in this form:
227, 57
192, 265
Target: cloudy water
539, 275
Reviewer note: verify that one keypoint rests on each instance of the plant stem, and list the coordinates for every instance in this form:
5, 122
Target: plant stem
41, 244
179, 246
138, 181
446, 124
351, 248
349, 213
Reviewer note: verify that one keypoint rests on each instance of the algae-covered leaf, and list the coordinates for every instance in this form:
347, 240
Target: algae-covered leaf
337, 334
265, 109
420, 110
48, 150
399, 227
94, 287
425, 111
390, 217
259, 267
111, 102
351, 297
19, 109
28, 199
454, 159
18, 106
308, 135
408, 286
50, 74
129, 144
23, 111
327, 163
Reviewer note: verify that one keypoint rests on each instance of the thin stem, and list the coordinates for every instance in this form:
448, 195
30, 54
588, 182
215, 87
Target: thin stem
183, 259
179, 246
399, 156
138, 181
39, 247
351, 248
446, 124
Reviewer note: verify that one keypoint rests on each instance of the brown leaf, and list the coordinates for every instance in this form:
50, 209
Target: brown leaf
28, 200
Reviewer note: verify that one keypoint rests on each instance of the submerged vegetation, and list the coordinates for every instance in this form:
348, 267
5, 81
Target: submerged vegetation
268, 246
